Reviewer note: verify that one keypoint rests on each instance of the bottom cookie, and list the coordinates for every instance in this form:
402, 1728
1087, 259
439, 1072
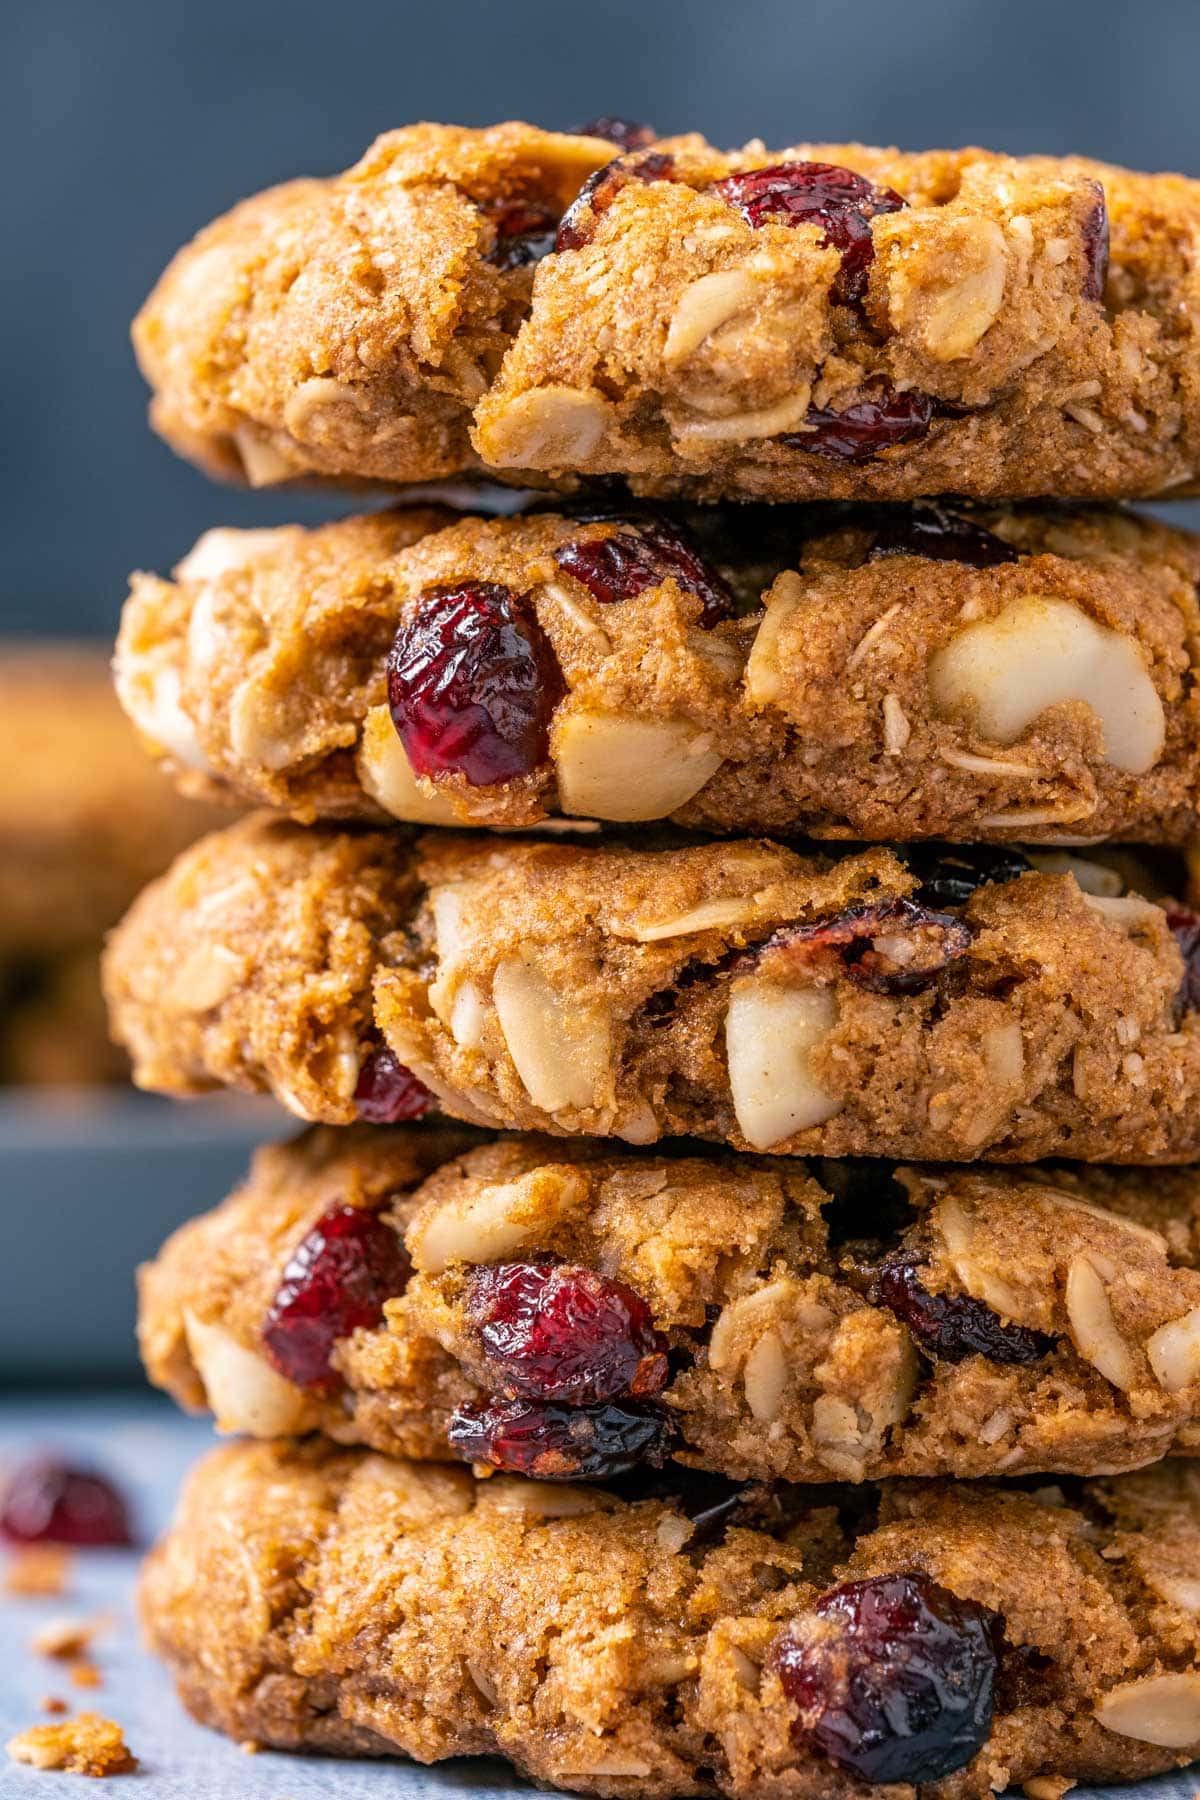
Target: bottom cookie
701, 1639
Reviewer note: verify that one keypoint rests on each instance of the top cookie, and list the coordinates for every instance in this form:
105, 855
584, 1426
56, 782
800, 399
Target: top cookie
823, 321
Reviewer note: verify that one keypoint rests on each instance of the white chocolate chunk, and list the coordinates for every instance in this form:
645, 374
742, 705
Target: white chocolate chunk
770, 1035
150, 689
1039, 652
245, 1394
560, 1052
387, 775
1174, 1352
1163, 1709
615, 766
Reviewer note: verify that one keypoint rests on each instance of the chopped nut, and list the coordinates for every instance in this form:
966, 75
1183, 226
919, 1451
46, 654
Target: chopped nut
245, 1394
85, 1675
545, 428
1162, 1709
41, 1571
787, 414
1093, 1329
765, 1377
560, 1052
1048, 1787
954, 296
65, 1638
770, 1035
263, 464
208, 974
764, 677
705, 305
387, 775
494, 1222
710, 915
896, 728
616, 766
539, 1499
1174, 1352
218, 552
86, 1745
149, 687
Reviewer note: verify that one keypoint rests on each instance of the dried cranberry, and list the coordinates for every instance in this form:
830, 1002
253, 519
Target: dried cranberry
951, 1327
813, 193
941, 536
618, 567
881, 418
578, 224
524, 233
950, 875
472, 684
1095, 248
386, 1092
50, 1502
554, 1332
893, 947
335, 1282
560, 1443
892, 1677
624, 133
1186, 926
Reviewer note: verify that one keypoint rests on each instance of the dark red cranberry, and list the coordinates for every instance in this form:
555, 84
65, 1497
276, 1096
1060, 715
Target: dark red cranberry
560, 1443
618, 567
524, 233
892, 947
892, 1678
951, 1327
881, 418
554, 1332
386, 1092
472, 685
50, 1502
624, 133
812, 193
335, 1282
1186, 926
1095, 248
578, 224
940, 536
949, 875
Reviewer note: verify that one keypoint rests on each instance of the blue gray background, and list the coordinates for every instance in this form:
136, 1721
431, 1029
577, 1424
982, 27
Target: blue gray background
125, 125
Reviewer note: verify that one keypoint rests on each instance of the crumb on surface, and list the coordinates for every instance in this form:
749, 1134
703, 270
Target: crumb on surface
85, 1674
64, 1638
54, 1703
42, 1569
86, 1745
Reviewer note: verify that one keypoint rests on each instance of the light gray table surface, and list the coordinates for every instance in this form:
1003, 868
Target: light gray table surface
141, 1440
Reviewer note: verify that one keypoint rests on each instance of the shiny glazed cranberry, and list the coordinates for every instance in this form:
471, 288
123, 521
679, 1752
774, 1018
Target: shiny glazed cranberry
560, 1443
578, 223
50, 1502
335, 1282
812, 193
877, 421
624, 133
940, 536
893, 947
524, 234
951, 1327
892, 1678
1186, 926
1095, 249
554, 1332
950, 875
618, 567
472, 684
386, 1092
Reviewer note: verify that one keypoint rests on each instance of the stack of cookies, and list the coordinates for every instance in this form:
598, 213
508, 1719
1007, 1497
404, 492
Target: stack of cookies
753, 1373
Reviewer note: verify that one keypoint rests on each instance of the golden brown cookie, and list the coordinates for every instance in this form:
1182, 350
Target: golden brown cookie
958, 1006
880, 674
773, 1643
575, 1310
825, 321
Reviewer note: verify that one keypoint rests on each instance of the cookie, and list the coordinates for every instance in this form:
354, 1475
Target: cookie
826, 321
767, 1642
575, 1310
952, 1008
864, 674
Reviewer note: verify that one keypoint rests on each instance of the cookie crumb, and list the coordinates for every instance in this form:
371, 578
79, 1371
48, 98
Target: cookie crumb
43, 1570
87, 1745
249, 1746
54, 1703
64, 1638
85, 1674
1047, 1787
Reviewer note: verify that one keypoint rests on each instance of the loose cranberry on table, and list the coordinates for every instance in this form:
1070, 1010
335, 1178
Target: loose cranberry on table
814, 193
47, 1501
555, 1332
893, 1678
335, 1282
560, 1443
625, 564
387, 1093
472, 685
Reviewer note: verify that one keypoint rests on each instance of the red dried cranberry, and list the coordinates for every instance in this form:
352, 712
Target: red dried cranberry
554, 1332
950, 875
50, 1502
951, 1327
893, 947
892, 1678
1095, 248
940, 536
386, 1092
813, 193
560, 1443
524, 233
881, 418
624, 133
618, 567
472, 685
335, 1282
1186, 926
578, 223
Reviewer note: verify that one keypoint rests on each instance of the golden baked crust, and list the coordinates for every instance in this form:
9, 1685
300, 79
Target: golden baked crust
785, 1361
830, 702
740, 992
354, 328
316, 1599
